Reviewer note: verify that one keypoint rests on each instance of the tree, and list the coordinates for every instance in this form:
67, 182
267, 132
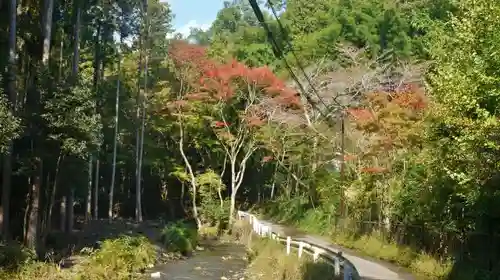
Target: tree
232, 97
7, 118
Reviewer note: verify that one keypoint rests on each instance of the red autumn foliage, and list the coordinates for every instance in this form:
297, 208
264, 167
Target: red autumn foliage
360, 114
406, 97
410, 100
225, 79
222, 81
220, 124
184, 54
193, 58
388, 121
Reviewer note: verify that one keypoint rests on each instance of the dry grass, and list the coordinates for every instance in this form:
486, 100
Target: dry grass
268, 259
374, 246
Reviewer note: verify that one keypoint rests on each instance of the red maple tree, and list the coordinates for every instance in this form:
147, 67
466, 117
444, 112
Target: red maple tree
213, 82
387, 121
233, 95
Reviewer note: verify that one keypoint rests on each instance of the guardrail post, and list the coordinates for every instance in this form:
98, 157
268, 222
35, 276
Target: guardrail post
288, 243
337, 267
265, 230
316, 254
301, 247
342, 269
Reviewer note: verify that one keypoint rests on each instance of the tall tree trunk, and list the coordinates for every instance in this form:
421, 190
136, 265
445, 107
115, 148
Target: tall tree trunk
88, 207
11, 91
137, 132
96, 77
27, 212
47, 30
141, 144
62, 213
89, 187
115, 140
34, 225
219, 188
74, 76
61, 61
70, 211
193, 182
96, 203
33, 232
52, 199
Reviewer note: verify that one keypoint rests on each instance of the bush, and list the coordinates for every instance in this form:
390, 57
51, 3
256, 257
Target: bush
13, 255
179, 237
120, 258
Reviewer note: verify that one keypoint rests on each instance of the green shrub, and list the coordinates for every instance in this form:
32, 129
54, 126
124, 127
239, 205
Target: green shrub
179, 237
120, 258
13, 255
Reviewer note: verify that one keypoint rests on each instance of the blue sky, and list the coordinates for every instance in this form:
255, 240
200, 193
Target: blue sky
194, 13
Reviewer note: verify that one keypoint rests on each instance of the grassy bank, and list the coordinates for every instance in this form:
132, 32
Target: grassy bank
372, 245
268, 260
122, 257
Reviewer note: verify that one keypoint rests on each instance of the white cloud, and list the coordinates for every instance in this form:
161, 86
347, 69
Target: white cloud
186, 29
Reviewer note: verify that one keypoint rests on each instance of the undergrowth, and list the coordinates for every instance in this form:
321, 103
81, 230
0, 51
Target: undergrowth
121, 258
179, 237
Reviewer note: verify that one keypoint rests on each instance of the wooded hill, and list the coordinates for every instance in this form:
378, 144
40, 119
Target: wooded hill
390, 142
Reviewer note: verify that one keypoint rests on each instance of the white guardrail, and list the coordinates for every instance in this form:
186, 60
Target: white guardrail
342, 266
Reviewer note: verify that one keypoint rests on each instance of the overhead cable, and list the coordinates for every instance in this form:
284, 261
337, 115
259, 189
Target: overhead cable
279, 53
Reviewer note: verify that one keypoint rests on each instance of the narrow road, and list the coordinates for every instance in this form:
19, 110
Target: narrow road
368, 269
217, 261
227, 261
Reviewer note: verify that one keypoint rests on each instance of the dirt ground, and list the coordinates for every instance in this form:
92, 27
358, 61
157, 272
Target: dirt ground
220, 260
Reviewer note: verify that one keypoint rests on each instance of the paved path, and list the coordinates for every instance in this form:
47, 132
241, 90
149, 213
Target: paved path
368, 269
218, 261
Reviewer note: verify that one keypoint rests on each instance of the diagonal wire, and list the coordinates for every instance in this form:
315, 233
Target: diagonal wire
299, 63
279, 53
